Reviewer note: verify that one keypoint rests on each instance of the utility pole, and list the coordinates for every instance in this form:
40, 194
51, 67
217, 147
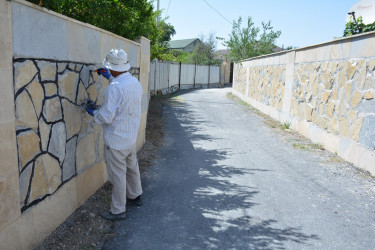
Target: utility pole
158, 16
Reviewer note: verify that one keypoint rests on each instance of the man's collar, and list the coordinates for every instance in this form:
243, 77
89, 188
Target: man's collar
122, 75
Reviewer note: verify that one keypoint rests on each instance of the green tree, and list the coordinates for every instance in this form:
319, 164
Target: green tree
162, 34
249, 42
127, 18
204, 52
289, 47
167, 31
357, 27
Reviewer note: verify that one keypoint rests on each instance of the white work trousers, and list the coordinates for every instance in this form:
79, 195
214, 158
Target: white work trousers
123, 173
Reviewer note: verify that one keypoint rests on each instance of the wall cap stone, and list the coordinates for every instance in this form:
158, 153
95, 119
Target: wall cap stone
364, 35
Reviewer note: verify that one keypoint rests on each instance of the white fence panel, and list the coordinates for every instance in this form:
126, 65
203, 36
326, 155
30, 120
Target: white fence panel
168, 77
174, 77
162, 77
151, 79
214, 75
187, 76
201, 77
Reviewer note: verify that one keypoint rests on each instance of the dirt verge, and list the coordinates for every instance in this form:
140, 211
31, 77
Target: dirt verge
85, 229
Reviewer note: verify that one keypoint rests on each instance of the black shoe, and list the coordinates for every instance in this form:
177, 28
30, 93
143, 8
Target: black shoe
136, 202
113, 217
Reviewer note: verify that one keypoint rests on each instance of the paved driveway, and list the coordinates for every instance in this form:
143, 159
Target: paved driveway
225, 180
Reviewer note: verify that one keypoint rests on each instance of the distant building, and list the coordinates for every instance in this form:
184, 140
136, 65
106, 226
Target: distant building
186, 45
278, 49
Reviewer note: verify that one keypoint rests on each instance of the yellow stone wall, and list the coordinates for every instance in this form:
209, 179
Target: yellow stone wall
239, 78
325, 91
144, 64
9, 173
266, 85
51, 149
329, 94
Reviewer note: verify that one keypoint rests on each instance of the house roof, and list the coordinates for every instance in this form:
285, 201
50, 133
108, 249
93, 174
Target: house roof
180, 44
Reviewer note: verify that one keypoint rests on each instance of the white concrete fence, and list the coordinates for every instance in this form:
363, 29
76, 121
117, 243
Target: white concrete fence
167, 77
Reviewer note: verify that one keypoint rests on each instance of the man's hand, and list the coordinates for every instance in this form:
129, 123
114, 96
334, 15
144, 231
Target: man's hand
90, 104
90, 111
104, 72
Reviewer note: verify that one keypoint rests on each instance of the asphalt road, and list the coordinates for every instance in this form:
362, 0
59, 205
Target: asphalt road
225, 180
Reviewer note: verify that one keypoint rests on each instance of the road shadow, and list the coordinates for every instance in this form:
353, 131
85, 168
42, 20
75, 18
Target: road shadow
194, 199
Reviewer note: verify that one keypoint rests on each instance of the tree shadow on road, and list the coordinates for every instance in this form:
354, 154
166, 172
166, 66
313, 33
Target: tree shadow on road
195, 199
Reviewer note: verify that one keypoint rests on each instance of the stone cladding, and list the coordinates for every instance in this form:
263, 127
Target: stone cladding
239, 80
266, 85
337, 96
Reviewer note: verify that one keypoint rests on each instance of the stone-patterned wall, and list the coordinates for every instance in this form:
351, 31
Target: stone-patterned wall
337, 96
266, 85
56, 138
239, 78
325, 92
51, 150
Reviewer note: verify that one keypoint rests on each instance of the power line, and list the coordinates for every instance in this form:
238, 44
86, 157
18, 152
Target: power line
168, 8
217, 12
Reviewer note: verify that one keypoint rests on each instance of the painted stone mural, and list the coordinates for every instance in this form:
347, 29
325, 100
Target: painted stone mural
56, 138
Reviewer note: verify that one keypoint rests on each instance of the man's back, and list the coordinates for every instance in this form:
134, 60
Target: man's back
121, 112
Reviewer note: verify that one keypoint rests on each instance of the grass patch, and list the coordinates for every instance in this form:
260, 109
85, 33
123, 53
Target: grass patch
336, 159
235, 98
308, 146
267, 120
285, 125
299, 146
251, 108
317, 146
164, 97
172, 99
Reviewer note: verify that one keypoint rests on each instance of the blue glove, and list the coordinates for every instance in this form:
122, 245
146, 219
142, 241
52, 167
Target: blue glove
104, 72
90, 111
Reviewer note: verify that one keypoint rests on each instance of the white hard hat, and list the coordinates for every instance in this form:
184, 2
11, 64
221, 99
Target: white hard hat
117, 60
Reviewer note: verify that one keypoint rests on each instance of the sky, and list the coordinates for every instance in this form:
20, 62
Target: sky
301, 22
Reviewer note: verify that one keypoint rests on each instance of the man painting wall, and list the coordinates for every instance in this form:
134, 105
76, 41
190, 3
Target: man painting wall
120, 116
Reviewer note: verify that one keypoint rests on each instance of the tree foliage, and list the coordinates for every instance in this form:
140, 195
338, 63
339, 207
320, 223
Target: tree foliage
204, 51
159, 40
357, 27
127, 18
249, 42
